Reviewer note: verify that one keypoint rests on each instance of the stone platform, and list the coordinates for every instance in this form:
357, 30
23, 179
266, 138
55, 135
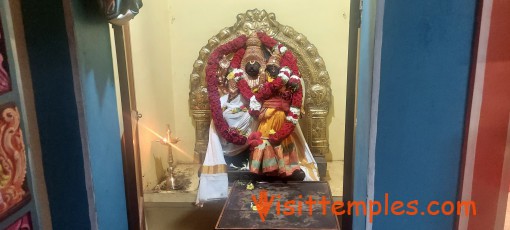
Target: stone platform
241, 212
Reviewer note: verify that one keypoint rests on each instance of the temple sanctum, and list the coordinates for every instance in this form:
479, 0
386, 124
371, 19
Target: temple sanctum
290, 114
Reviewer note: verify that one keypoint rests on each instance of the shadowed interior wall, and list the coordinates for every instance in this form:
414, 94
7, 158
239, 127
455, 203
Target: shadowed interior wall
425, 64
57, 115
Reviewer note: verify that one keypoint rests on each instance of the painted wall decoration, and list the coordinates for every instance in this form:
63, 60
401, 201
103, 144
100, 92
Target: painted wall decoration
23, 223
5, 81
13, 164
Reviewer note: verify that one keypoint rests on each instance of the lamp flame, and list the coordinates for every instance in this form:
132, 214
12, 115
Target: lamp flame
166, 141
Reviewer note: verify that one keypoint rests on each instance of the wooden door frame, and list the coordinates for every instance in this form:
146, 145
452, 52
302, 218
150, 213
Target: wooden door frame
130, 149
131, 158
467, 157
350, 111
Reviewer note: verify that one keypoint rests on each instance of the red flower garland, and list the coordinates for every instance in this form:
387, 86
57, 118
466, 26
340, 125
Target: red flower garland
297, 97
288, 126
238, 57
268, 89
265, 91
288, 58
266, 39
282, 133
255, 139
244, 89
290, 61
232, 135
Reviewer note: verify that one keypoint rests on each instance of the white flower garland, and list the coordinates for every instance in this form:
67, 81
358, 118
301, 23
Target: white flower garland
294, 112
285, 74
236, 74
254, 104
281, 48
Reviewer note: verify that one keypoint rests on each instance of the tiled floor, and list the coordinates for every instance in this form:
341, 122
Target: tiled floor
335, 177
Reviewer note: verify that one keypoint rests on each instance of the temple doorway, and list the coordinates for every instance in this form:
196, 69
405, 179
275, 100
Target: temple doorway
169, 49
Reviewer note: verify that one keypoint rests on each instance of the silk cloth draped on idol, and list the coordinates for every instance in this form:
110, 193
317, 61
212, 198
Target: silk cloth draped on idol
256, 98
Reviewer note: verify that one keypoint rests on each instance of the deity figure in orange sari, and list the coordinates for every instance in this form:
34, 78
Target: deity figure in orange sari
289, 158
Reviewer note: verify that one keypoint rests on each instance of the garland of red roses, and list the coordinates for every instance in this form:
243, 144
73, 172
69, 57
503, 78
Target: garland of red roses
238, 57
287, 59
268, 89
232, 135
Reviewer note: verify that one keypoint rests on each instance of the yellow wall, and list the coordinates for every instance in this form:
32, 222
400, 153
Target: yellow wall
166, 38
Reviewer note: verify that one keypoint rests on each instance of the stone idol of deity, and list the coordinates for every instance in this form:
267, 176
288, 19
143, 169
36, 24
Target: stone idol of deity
256, 103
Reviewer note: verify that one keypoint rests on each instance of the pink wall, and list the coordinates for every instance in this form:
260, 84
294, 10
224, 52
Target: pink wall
490, 179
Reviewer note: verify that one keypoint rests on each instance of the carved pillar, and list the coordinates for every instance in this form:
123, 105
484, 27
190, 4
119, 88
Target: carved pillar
318, 132
317, 111
202, 120
199, 104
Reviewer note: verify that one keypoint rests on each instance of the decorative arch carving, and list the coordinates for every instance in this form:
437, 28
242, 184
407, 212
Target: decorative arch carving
311, 66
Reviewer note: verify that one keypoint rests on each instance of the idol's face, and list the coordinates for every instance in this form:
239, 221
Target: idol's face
252, 69
273, 70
